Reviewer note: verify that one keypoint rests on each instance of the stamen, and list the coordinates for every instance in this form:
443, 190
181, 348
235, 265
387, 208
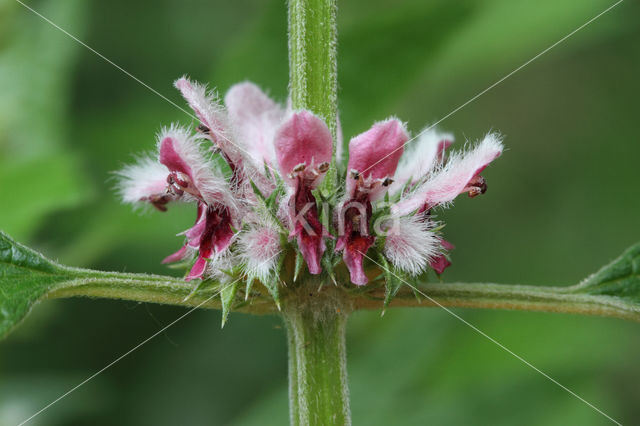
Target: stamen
323, 167
476, 186
203, 129
299, 168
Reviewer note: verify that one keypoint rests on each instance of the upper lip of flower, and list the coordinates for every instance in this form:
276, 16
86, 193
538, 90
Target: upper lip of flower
254, 135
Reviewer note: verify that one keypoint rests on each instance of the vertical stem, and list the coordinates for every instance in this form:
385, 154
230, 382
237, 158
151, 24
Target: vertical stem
313, 80
318, 389
316, 332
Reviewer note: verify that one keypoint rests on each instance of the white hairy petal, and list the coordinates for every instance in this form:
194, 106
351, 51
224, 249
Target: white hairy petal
411, 244
421, 157
447, 183
142, 180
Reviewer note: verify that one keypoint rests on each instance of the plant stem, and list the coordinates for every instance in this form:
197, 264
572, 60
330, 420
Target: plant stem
313, 83
317, 361
318, 389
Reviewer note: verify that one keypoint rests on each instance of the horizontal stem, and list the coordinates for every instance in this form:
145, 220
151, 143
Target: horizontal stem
175, 291
152, 289
505, 296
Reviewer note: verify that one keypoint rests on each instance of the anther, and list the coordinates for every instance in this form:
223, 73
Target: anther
323, 167
203, 129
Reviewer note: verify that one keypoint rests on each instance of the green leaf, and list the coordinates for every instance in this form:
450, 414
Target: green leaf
27, 277
227, 297
613, 291
619, 279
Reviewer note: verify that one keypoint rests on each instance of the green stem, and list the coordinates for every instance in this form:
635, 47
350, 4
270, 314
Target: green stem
318, 389
313, 83
568, 300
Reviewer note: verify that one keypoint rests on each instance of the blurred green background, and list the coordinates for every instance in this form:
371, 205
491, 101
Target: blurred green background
562, 201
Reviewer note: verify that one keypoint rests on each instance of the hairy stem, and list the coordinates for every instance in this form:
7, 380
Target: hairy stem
572, 300
318, 388
167, 290
313, 80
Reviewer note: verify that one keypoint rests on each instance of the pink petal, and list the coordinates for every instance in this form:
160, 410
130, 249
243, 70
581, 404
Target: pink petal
446, 244
255, 118
310, 238
180, 152
312, 248
456, 176
194, 233
205, 105
354, 240
170, 157
145, 181
197, 270
217, 234
353, 256
376, 152
177, 256
302, 139
421, 157
440, 263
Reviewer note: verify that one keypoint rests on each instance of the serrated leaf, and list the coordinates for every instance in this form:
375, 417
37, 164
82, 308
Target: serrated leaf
620, 278
227, 297
26, 277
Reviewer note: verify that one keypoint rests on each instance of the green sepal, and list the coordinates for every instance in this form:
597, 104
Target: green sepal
267, 171
272, 287
392, 283
271, 201
227, 297
274, 281
268, 205
327, 265
200, 286
299, 265
248, 287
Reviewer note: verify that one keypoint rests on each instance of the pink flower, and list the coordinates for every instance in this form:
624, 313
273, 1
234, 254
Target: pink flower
422, 156
190, 175
461, 173
373, 158
145, 182
303, 148
278, 158
255, 118
411, 244
440, 262
442, 181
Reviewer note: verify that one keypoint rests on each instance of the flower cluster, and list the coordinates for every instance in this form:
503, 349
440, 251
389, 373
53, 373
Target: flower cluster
254, 169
